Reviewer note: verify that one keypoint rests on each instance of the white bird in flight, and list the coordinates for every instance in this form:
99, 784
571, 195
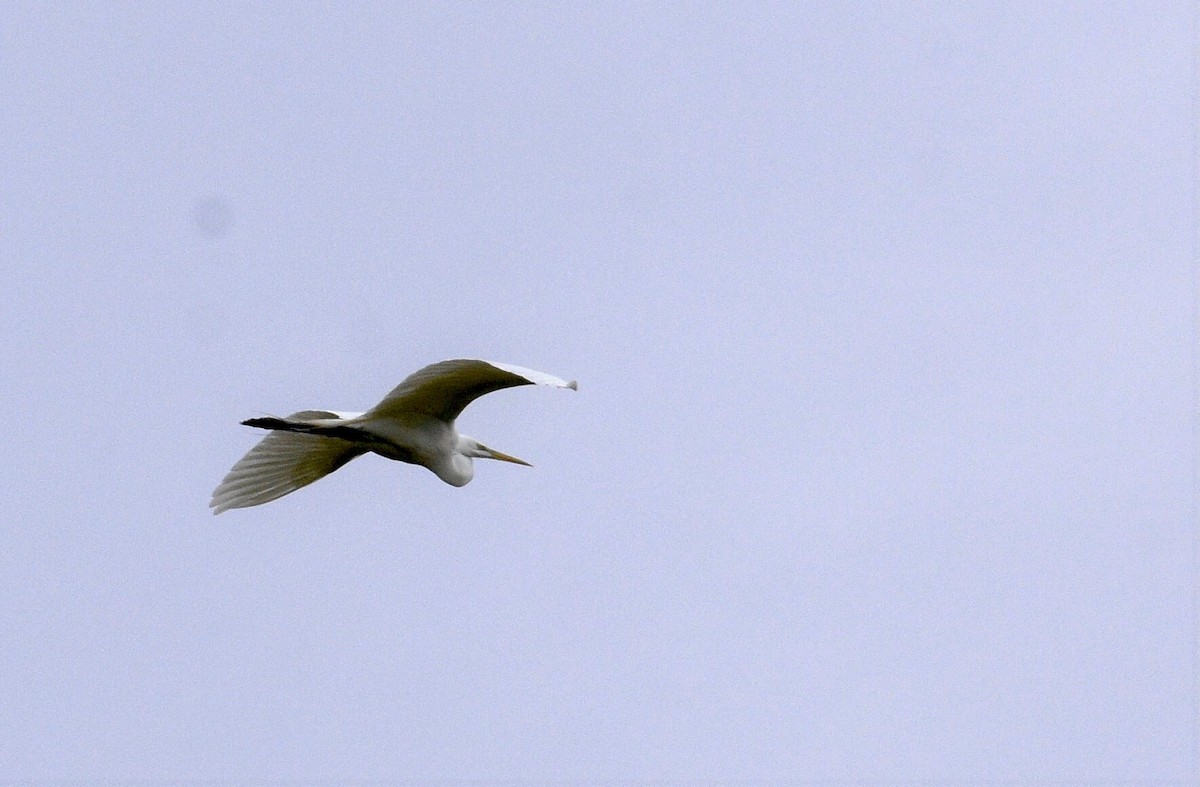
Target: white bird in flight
414, 423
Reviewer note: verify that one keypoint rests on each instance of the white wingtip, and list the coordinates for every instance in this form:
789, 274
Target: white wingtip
534, 376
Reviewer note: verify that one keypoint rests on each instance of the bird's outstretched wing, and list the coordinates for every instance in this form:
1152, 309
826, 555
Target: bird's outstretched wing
282, 462
442, 390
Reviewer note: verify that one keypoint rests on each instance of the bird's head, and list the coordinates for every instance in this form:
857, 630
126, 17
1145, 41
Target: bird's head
459, 469
478, 450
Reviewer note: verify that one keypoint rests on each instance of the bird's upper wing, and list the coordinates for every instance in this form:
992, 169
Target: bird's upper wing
442, 390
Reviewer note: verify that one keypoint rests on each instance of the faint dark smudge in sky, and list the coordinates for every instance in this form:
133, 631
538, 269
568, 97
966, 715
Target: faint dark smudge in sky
212, 216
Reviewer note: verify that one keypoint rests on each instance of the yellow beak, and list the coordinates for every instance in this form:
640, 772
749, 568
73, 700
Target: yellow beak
492, 454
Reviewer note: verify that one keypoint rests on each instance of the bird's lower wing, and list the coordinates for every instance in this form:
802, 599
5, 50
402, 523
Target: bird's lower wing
443, 389
282, 462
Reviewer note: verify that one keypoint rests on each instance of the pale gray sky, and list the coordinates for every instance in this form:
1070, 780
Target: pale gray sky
881, 463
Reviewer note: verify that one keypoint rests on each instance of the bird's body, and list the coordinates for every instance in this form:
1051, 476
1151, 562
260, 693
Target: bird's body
415, 423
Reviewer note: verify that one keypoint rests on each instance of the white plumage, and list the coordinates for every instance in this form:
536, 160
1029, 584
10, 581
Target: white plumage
414, 423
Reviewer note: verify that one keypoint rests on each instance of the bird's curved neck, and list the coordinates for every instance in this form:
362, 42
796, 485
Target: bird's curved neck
457, 469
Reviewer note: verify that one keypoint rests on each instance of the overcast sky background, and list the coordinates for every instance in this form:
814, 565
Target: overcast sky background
881, 462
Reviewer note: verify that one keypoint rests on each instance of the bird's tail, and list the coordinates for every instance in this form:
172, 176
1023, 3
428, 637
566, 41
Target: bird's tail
290, 457
283, 424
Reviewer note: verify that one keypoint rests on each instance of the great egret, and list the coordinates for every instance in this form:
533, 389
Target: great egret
414, 423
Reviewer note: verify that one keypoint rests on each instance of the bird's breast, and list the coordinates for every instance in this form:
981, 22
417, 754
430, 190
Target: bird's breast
417, 440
